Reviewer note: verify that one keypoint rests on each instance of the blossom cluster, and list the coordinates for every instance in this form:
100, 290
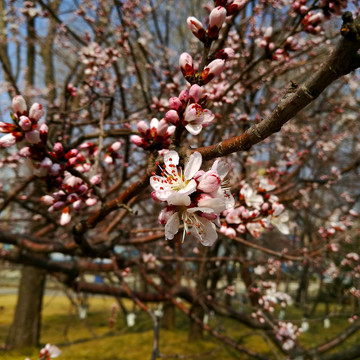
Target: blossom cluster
26, 124
62, 169
155, 137
256, 211
193, 197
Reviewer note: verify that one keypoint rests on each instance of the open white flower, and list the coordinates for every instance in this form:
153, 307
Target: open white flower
175, 186
195, 198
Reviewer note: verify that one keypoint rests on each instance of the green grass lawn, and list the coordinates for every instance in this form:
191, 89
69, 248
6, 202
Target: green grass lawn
93, 339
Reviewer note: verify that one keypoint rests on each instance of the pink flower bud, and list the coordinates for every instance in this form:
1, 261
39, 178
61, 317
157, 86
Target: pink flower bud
47, 200
216, 21
143, 128
43, 132
173, 117
65, 216
96, 179
196, 27
36, 111
209, 182
59, 149
19, 105
236, 6
71, 153
184, 96
162, 128
33, 137
195, 93
72, 197
225, 54
25, 123
137, 140
78, 205
91, 201
213, 69
116, 146
186, 64
175, 103
57, 206
7, 140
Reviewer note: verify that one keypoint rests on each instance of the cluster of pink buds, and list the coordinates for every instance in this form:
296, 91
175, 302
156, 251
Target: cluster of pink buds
216, 20
26, 125
155, 137
272, 296
287, 333
291, 44
266, 42
112, 153
187, 110
96, 58
73, 192
212, 70
256, 212
299, 6
194, 197
312, 22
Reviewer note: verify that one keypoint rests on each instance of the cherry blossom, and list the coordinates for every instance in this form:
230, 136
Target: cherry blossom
194, 197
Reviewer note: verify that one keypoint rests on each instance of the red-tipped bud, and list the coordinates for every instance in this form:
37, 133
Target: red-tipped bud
184, 96
59, 149
216, 21
213, 69
137, 140
225, 54
196, 27
71, 153
236, 6
25, 123
142, 127
36, 111
195, 93
19, 105
186, 64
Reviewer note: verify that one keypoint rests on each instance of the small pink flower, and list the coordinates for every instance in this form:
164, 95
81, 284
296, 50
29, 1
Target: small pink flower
196, 118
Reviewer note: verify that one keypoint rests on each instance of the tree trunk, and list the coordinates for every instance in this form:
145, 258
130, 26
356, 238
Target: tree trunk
25, 329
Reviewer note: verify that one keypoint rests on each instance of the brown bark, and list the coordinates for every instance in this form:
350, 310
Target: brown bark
25, 329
